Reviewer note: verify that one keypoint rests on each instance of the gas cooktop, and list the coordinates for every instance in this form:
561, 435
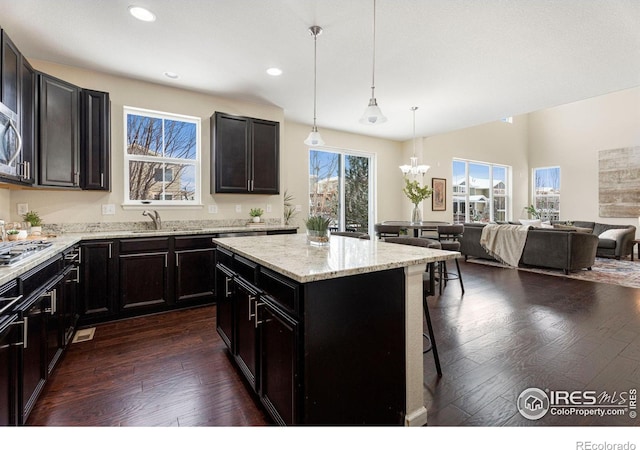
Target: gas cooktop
15, 251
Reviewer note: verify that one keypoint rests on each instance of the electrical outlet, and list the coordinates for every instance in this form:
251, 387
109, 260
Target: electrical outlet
213, 209
298, 208
23, 208
108, 209
238, 208
268, 207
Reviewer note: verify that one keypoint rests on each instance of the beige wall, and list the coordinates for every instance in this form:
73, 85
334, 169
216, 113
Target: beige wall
496, 142
570, 136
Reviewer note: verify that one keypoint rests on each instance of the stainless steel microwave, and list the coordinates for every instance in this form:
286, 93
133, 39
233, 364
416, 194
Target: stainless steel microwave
10, 142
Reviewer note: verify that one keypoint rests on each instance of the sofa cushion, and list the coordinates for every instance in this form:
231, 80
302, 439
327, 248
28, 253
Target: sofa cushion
531, 222
606, 243
559, 226
613, 233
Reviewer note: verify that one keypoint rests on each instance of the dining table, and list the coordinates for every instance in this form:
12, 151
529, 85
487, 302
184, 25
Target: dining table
417, 227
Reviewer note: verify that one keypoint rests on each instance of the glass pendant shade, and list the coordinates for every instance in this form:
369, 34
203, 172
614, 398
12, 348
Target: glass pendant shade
314, 137
373, 114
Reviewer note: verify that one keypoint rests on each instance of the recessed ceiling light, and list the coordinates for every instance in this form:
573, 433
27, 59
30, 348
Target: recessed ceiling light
141, 13
171, 75
274, 71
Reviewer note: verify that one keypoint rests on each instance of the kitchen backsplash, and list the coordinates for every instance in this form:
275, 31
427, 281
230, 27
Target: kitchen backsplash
60, 228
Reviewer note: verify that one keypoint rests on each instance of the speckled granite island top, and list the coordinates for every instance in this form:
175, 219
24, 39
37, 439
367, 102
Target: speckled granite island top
290, 255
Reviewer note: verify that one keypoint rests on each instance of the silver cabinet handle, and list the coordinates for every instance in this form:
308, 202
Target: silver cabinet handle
255, 316
251, 298
13, 301
25, 332
227, 291
19, 149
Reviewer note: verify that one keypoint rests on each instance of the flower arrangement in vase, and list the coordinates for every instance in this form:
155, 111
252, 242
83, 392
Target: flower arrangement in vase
318, 230
256, 213
416, 193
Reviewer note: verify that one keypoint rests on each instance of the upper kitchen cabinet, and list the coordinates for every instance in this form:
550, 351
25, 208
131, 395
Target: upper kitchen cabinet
95, 140
28, 123
245, 155
10, 73
58, 156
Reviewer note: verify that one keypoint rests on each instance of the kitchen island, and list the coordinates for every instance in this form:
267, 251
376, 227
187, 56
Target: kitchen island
326, 335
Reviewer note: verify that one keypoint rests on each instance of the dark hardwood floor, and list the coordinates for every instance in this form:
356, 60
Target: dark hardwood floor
510, 331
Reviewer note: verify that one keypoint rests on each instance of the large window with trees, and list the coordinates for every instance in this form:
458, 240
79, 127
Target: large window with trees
546, 192
341, 188
162, 159
481, 191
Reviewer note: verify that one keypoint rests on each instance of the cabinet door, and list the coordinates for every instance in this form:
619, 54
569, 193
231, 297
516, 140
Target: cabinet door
8, 375
245, 298
98, 281
278, 374
28, 121
10, 74
231, 155
53, 306
265, 167
34, 370
195, 275
59, 137
69, 306
95, 140
144, 281
224, 305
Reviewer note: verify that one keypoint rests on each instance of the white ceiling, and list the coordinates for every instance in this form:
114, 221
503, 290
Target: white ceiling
462, 62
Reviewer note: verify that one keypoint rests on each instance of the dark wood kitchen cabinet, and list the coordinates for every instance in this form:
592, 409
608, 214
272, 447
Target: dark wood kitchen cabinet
143, 267
9, 339
98, 286
95, 140
224, 297
195, 258
245, 155
28, 122
10, 64
58, 149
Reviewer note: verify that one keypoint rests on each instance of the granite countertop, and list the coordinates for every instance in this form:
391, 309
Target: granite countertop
66, 240
290, 255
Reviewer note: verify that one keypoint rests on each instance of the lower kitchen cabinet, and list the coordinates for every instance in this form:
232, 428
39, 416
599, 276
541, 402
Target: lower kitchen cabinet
224, 297
246, 299
144, 274
10, 337
98, 286
34, 355
194, 268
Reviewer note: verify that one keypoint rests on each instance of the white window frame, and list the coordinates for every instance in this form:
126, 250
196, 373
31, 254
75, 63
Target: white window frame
556, 194
508, 188
197, 162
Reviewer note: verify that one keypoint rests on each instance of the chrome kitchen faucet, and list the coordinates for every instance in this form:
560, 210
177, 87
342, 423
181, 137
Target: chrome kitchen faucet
155, 217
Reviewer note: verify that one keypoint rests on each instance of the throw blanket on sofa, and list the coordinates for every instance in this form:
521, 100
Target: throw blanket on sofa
505, 242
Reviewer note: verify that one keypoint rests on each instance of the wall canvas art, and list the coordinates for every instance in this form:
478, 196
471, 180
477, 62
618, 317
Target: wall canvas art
619, 182
439, 195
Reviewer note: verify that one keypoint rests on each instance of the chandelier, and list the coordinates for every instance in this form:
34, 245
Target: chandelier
414, 168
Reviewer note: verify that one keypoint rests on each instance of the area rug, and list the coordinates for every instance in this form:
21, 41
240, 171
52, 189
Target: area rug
604, 270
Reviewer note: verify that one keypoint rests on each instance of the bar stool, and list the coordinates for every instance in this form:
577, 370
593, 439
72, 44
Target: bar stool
427, 289
449, 238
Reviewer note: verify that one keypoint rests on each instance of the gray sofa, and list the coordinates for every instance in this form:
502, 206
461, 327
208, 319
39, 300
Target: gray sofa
619, 247
550, 248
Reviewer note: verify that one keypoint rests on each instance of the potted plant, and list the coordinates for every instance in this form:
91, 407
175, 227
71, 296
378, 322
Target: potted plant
12, 235
256, 213
533, 212
36, 222
318, 230
289, 211
416, 194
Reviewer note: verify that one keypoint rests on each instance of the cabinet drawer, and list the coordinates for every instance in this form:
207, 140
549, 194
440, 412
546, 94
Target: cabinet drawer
37, 277
280, 289
144, 244
224, 257
191, 242
245, 268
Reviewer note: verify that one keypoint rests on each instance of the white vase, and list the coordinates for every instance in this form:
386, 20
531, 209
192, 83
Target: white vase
36, 231
416, 215
256, 219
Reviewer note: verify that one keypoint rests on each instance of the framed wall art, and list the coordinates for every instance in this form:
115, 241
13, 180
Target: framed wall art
439, 196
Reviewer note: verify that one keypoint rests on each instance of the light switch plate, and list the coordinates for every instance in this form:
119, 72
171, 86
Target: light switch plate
108, 209
23, 208
213, 209
238, 208
298, 208
268, 207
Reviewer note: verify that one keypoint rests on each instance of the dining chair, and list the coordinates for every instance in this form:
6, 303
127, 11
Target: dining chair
427, 289
449, 238
384, 231
353, 234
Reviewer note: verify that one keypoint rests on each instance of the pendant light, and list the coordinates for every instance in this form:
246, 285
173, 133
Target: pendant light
373, 114
314, 137
414, 168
